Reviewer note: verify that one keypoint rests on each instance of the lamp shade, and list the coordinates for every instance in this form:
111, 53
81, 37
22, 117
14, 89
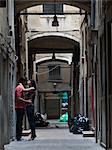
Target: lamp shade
55, 22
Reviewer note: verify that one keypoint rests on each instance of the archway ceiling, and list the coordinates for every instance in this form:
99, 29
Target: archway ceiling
23, 4
50, 44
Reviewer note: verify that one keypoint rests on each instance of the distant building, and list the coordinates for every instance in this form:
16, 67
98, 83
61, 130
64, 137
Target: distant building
53, 80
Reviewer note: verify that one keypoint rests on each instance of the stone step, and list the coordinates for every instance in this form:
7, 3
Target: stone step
88, 133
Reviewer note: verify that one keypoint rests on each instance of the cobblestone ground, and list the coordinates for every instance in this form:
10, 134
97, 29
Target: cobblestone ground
55, 139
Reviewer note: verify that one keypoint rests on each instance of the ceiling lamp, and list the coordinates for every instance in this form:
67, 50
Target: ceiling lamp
53, 56
55, 22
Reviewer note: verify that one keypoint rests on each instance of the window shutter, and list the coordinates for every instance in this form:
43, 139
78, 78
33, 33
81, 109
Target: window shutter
49, 8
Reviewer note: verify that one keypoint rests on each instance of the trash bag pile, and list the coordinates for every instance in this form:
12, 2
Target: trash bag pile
64, 117
79, 124
40, 120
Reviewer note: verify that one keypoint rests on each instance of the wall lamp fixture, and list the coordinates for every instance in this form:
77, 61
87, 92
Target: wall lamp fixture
55, 22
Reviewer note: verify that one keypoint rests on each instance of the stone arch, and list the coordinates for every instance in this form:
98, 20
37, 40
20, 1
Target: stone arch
21, 5
50, 58
65, 35
53, 42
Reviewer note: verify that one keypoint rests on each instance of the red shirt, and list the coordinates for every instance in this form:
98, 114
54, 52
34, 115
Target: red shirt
19, 93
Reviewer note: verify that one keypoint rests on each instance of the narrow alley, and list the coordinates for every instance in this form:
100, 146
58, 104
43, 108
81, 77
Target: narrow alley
55, 64
55, 139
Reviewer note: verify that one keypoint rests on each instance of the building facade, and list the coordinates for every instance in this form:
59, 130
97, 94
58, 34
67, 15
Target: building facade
53, 80
96, 68
7, 72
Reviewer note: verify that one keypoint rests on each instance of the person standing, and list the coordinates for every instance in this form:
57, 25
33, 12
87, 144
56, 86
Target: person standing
30, 108
20, 104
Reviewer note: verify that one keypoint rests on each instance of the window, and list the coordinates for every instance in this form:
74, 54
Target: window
50, 8
54, 72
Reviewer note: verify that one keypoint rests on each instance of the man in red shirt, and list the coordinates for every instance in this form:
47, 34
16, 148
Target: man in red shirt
20, 104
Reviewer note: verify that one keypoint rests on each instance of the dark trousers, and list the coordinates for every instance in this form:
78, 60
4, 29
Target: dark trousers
30, 115
19, 121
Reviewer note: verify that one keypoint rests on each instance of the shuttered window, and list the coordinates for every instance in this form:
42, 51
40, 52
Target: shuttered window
50, 8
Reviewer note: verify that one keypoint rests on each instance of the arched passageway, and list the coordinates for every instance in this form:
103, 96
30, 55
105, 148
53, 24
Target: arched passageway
54, 44
57, 43
95, 87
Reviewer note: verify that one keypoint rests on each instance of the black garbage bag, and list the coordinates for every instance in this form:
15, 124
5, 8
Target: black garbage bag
79, 124
74, 128
83, 123
40, 121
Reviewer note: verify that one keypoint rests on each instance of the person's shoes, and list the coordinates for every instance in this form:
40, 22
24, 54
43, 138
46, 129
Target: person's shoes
32, 138
18, 139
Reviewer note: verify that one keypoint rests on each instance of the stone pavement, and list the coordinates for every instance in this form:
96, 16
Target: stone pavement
55, 139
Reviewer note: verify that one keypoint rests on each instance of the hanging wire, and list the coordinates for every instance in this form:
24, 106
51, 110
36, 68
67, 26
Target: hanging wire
47, 71
54, 7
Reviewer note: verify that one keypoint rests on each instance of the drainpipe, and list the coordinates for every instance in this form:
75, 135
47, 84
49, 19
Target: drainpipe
106, 111
86, 55
95, 88
93, 13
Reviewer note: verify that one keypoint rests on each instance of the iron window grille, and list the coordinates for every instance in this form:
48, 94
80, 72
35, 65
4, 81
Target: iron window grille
54, 72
